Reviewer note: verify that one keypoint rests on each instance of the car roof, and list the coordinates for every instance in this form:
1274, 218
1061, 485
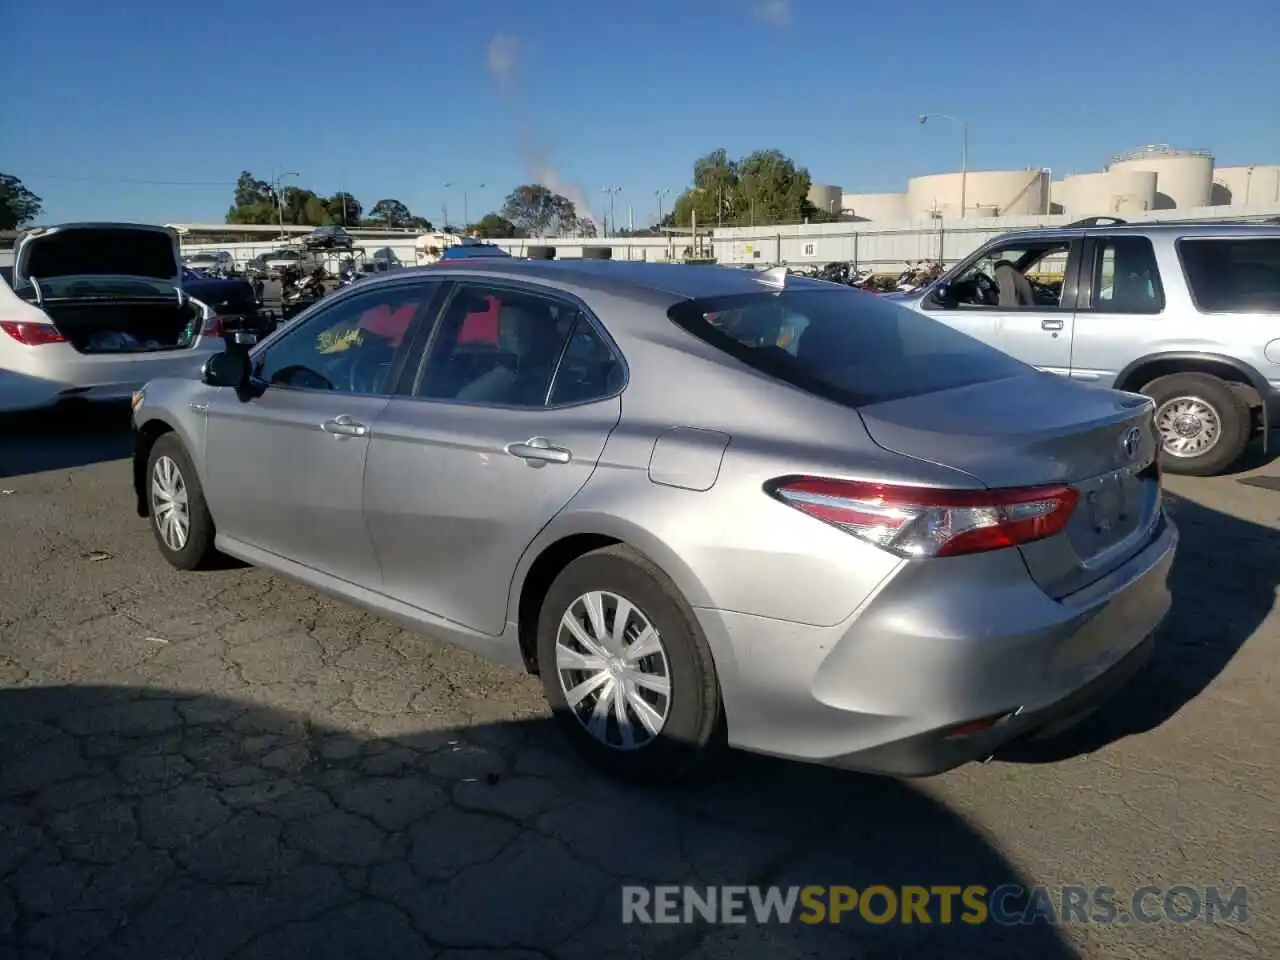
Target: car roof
1177, 228
621, 278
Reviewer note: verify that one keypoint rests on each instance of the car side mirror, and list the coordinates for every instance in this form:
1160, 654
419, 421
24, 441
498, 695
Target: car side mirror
228, 369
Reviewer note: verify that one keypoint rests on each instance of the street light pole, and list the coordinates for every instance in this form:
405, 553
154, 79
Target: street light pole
659, 194
466, 215
280, 197
612, 192
964, 151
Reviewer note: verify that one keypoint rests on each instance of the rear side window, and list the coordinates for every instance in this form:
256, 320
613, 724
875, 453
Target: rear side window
1125, 276
851, 347
1232, 275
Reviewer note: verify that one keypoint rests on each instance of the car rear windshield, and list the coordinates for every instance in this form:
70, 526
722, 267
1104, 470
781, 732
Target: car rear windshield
1232, 275
847, 346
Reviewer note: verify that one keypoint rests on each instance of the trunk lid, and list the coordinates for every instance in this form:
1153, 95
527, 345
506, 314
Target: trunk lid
85, 250
1043, 429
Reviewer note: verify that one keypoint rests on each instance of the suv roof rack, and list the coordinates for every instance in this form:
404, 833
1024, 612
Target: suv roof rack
1097, 222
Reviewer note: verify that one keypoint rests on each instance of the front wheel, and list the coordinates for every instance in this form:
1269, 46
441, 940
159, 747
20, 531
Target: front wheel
1204, 424
626, 670
180, 517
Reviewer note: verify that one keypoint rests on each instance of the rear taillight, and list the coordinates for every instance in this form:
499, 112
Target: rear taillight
32, 334
927, 522
212, 326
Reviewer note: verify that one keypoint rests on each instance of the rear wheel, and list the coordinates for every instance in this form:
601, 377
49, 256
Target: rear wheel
1204, 425
626, 669
180, 517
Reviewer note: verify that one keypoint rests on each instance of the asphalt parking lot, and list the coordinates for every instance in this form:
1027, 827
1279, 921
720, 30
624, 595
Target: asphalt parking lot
227, 765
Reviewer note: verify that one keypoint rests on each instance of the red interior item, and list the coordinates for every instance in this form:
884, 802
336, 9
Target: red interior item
481, 327
382, 321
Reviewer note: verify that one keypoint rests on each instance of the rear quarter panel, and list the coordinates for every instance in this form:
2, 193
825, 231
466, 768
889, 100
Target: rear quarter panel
732, 546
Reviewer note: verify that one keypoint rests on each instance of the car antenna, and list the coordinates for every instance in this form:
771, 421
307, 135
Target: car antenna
775, 277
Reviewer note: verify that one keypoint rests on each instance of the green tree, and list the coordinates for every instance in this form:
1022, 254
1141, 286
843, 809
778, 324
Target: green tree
494, 225
254, 201
344, 209
538, 211
763, 187
390, 213
18, 205
421, 223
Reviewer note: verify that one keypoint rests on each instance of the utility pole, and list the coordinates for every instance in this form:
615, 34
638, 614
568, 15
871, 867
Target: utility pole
280, 196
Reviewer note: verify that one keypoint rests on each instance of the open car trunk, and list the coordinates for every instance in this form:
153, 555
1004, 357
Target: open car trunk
125, 326
109, 287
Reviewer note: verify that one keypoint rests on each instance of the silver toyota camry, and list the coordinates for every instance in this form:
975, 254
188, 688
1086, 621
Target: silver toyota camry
705, 506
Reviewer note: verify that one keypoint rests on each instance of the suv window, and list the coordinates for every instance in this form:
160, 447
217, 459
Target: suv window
1022, 275
843, 345
350, 346
1236, 275
502, 346
1125, 276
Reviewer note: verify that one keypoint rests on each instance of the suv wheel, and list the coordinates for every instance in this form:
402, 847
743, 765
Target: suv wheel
626, 669
1203, 423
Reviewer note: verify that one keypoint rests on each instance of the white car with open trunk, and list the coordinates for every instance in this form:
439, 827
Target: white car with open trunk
95, 310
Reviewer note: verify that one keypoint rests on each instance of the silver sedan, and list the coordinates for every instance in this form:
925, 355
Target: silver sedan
706, 506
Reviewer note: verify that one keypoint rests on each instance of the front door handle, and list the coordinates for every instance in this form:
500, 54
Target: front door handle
344, 426
538, 450
1050, 324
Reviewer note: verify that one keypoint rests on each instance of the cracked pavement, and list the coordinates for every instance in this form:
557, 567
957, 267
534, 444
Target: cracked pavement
226, 764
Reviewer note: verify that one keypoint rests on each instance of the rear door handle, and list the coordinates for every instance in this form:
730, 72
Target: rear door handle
344, 426
538, 450
1050, 324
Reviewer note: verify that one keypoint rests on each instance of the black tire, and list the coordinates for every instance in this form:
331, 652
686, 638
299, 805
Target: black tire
1234, 419
197, 551
597, 253
694, 731
541, 253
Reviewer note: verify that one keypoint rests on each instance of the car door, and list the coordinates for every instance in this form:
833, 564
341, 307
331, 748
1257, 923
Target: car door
285, 461
499, 429
1120, 306
1031, 319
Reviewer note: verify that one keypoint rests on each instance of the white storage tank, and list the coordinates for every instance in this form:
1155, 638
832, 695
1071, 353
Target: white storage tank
1132, 191
1255, 185
875, 206
1184, 178
1010, 192
1087, 195
826, 198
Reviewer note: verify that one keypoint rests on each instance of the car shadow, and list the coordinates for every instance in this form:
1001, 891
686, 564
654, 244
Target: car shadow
72, 435
1255, 458
154, 823
1219, 556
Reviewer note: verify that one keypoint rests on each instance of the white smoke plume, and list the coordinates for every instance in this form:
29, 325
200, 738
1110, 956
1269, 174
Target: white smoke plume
774, 12
502, 61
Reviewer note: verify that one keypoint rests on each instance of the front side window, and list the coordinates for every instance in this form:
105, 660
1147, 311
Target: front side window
1125, 276
1236, 275
1018, 277
500, 346
349, 347
850, 347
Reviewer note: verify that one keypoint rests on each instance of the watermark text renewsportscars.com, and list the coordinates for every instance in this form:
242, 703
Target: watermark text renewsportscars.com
938, 904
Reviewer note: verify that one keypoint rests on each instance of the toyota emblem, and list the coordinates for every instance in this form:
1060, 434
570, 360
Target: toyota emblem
1130, 443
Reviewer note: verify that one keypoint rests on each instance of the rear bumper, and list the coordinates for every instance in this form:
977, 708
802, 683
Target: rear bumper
941, 645
61, 374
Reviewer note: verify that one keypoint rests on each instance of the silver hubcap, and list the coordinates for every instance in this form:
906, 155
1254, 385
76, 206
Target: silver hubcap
613, 670
1189, 426
169, 507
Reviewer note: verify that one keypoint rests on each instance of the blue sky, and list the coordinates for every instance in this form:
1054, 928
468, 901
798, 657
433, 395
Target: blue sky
394, 98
